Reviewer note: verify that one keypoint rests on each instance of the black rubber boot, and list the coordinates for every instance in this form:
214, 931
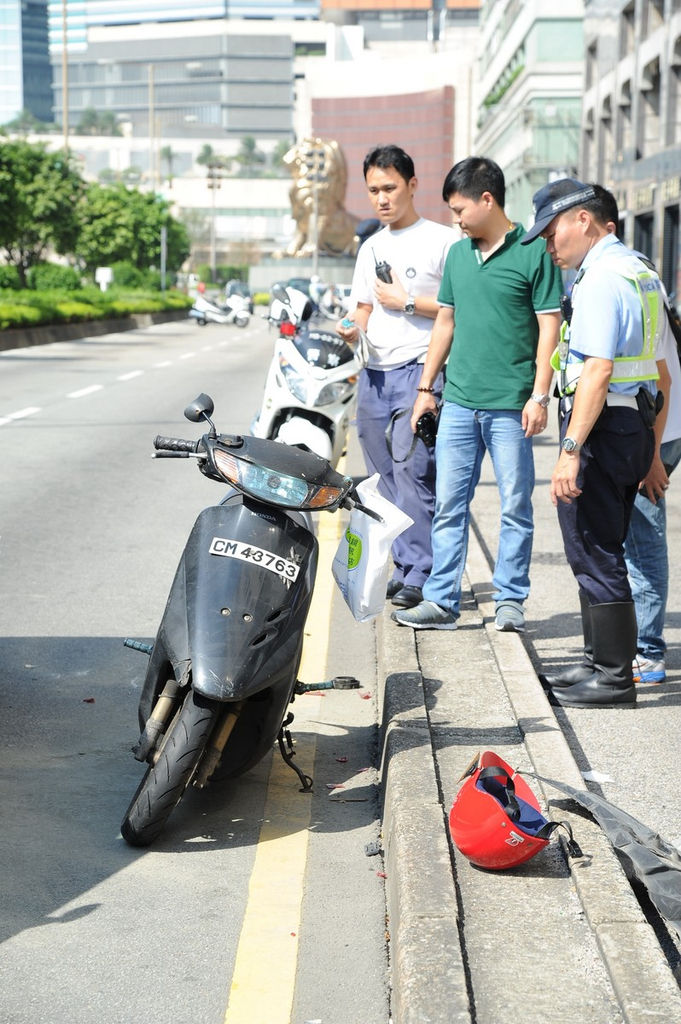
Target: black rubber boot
577, 673
611, 684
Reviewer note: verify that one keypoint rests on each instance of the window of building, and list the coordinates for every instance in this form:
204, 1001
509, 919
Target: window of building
590, 64
627, 21
670, 249
649, 109
606, 141
672, 128
643, 233
623, 128
652, 16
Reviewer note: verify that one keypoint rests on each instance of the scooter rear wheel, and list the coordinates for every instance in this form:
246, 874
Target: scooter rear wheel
164, 782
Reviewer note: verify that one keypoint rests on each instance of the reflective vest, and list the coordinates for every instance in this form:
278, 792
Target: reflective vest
640, 367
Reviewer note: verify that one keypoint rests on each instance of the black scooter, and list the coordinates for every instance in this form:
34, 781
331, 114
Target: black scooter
223, 668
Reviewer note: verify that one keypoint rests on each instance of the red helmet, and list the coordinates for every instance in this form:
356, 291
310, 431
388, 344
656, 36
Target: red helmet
495, 820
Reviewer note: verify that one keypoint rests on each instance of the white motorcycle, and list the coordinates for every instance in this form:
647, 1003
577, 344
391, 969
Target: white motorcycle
235, 311
311, 387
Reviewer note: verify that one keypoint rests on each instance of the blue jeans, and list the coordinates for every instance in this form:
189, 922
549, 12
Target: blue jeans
645, 551
410, 482
463, 437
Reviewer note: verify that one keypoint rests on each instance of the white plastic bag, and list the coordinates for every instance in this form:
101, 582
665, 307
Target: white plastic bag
362, 561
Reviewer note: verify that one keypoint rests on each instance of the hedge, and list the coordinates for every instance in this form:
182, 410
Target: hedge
27, 308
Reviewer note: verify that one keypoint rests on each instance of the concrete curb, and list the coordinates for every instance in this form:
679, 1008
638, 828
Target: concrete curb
23, 337
622, 932
428, 970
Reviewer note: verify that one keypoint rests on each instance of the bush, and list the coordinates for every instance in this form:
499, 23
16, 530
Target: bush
261, 299
9, 277
87, 303
17, 314
47, 276
127, 275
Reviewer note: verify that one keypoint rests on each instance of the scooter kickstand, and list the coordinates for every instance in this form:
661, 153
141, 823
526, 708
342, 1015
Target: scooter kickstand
288, 753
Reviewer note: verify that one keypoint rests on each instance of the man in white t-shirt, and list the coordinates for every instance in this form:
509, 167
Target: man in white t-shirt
396, 307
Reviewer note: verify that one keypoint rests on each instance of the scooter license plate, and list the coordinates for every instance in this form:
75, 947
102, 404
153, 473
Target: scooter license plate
256, 556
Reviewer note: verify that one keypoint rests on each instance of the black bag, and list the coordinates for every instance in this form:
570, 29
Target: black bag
426, 430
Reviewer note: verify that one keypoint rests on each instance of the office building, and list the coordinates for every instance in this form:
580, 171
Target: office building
631, 127
530, 75
25, 72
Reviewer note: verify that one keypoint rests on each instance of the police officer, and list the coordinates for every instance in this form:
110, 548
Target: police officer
607, 379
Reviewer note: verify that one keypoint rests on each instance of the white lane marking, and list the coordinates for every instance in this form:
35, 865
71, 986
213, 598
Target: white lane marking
188, 355
129, 376
207, 348
166, 362
85, 391
22, 413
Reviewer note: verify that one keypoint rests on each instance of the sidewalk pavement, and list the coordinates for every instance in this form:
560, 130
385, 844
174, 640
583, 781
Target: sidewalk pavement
549, 940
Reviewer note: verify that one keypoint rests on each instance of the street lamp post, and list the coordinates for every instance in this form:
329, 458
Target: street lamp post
214, 176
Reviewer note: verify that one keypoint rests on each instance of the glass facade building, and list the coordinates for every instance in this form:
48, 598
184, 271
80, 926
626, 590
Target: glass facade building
25, 72
82, 14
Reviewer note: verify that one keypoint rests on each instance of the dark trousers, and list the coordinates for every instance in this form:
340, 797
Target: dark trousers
612, 462
410, 484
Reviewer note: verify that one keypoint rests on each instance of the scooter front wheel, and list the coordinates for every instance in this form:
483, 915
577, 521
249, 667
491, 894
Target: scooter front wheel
242, 320
164, 782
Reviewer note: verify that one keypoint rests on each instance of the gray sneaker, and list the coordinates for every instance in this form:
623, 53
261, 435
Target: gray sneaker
509, 617
425, 615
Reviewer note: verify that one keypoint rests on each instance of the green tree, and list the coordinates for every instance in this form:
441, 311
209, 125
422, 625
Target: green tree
40, 195
207, 155
209, 158
167, 155
278, 154
120, 224
249, 156
26, 122
93, 123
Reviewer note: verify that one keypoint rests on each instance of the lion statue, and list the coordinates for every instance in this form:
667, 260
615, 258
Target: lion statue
319, 164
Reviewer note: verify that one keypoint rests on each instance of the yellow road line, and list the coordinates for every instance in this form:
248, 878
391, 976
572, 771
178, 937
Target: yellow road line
263, 982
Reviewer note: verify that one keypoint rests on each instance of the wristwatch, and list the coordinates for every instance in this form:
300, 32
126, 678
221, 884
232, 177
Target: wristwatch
409, 307
570, 446
542, 399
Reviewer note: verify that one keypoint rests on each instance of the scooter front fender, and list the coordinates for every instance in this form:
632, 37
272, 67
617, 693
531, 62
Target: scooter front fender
238, 603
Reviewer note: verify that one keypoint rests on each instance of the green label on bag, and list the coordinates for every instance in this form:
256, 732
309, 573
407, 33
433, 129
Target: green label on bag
354, 549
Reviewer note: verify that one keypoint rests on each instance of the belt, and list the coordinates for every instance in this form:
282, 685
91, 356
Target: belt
612, 399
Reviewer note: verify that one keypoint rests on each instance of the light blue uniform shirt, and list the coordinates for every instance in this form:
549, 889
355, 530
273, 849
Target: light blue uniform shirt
607, 319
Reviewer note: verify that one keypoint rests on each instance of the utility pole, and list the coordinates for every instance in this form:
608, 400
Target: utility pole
64, 75
214, 176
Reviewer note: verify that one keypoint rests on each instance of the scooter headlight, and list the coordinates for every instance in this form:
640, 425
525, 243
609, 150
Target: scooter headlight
335, 392
294, 381
271, 486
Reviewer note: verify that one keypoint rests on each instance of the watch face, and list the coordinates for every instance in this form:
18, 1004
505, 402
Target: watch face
569, 445
409, 308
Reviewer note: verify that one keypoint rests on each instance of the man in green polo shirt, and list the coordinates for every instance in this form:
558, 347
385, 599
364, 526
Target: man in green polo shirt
504, 300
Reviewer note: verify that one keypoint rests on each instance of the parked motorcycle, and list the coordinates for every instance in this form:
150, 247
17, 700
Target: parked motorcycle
223, 668
235, 311
311, 386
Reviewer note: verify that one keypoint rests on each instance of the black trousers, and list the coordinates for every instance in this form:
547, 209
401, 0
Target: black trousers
612, 462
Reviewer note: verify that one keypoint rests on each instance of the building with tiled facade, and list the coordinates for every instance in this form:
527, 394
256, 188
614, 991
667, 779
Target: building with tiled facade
631, 120
530, 74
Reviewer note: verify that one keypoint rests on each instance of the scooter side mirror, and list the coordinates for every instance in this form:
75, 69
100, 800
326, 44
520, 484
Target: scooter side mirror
281, 294
200, 409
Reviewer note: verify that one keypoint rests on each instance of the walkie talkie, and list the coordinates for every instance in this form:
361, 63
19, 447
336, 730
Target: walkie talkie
383, 270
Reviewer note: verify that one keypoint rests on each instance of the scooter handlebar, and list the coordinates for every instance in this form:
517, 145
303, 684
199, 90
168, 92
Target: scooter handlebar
174, 444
